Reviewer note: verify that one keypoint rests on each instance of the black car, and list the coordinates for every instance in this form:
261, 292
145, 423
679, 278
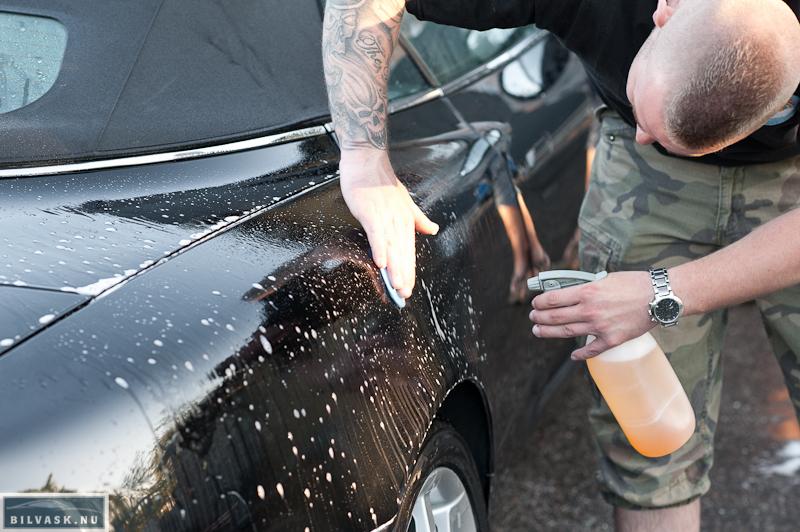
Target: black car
190, 320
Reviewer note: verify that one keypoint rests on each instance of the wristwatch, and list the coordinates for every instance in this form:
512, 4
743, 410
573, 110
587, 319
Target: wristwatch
666, 307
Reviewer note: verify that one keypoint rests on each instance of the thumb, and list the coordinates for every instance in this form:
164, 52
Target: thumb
422, 223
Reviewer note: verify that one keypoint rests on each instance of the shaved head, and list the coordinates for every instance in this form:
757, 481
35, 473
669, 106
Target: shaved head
713, 71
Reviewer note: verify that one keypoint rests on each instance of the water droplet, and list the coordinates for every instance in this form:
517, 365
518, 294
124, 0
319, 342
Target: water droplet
5, 342
122, 383
279, 487
189, 365
158, 343
47, 318
258, 426
260, 490
265, 344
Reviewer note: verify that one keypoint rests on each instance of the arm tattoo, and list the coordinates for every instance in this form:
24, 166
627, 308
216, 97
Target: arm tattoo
356, 55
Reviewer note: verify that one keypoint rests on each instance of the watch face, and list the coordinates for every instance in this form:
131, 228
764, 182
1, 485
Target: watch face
667, 310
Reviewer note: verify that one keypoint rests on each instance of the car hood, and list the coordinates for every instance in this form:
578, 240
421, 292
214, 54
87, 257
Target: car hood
69, 238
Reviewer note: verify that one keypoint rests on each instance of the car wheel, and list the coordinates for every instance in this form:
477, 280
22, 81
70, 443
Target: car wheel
445, 493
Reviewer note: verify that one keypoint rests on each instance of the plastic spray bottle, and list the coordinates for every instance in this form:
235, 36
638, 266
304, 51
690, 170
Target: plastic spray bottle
637, 382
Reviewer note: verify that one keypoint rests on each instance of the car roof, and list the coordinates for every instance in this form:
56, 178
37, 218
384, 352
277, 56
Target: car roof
147, 76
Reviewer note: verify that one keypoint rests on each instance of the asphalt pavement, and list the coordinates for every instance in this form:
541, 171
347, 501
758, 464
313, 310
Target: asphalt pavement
756, 475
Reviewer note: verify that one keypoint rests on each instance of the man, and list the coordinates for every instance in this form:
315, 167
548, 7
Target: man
715, 84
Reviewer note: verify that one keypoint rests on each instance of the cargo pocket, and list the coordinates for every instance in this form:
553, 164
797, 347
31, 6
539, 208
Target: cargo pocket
615, 139
597, 251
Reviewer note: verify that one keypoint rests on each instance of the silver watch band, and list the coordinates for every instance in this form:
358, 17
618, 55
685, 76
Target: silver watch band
660, 281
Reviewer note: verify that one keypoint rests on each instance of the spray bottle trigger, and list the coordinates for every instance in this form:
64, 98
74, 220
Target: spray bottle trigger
556, 279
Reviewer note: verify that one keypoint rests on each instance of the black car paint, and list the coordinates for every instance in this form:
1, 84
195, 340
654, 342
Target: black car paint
548, 140
265, 352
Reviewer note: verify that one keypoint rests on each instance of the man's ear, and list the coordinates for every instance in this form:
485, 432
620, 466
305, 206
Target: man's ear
664, 11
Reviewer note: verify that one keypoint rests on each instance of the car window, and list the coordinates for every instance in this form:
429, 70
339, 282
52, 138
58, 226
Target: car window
405, 78
31, 52
451, 52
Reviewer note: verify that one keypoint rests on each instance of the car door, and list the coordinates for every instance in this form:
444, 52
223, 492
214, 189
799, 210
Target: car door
517, 364
525, 78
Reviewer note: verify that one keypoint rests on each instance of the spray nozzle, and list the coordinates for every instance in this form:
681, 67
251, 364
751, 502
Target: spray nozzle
555, 279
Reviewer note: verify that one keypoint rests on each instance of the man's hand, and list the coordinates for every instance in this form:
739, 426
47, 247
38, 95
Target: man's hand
358, 39
380, 202
614, 310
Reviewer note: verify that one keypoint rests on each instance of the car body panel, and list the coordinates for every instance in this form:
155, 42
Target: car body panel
549, 127
24, 311
281, 310
236, 361
86, 232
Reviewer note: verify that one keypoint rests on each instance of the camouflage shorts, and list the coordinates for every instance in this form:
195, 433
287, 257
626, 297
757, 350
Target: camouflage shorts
645, 209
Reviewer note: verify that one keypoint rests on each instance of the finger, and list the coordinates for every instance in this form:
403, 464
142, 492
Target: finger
422, 223
395, 261
400, 254
377, 243
568, 330
590, 350
563, 297
559, 316
411, 259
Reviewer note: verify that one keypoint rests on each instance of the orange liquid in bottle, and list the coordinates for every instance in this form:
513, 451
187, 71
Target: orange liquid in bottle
645, 396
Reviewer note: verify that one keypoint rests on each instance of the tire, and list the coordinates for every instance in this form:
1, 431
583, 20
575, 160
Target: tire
447, 465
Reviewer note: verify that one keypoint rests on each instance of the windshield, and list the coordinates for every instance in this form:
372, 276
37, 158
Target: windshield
153, 75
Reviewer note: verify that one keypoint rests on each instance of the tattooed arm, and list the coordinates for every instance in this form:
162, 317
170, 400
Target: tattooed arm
358, 39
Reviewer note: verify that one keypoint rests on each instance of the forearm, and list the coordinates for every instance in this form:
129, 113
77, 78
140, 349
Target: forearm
766, 260
358, 39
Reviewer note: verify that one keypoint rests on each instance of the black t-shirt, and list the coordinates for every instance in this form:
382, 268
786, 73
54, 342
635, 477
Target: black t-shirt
606, 35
